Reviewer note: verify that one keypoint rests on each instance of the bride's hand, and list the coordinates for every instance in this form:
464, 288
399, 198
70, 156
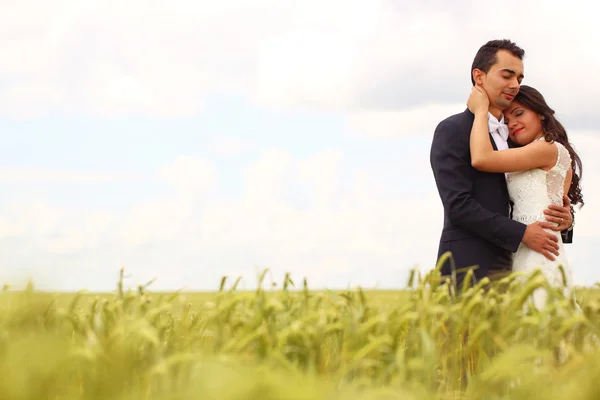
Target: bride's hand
478, 100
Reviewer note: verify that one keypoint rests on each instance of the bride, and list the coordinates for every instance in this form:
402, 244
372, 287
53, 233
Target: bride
540, 170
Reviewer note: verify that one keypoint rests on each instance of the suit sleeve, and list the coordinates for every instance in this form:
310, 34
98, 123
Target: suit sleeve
567, 237
451, 164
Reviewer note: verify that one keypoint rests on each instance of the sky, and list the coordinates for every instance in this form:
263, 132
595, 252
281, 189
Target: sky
190, 140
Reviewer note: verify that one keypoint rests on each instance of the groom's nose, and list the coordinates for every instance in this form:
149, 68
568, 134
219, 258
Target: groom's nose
514, 83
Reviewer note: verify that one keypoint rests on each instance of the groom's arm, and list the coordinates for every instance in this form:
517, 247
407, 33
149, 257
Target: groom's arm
451, 164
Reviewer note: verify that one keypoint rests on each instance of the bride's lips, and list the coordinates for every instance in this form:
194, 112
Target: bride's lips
517, 131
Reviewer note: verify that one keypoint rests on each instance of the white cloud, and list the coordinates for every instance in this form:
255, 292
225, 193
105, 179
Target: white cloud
32, 219
192, 177
308, 68
351, 230
228, 147
40, 175
355, 227
420, 57
358, 56
420, 120
265, 180
587, 146
323, 172
195, 181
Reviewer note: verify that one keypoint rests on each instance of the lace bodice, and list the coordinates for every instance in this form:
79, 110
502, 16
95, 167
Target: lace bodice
533, 190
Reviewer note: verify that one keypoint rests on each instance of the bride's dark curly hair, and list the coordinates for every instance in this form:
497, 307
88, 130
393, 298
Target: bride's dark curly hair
553, 131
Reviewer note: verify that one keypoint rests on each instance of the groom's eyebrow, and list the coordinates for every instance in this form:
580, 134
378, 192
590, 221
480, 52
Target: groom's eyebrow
512, 72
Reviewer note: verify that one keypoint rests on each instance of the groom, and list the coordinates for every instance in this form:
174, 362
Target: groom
478, 230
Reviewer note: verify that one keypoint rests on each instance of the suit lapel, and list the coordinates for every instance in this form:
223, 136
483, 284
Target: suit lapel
472, 117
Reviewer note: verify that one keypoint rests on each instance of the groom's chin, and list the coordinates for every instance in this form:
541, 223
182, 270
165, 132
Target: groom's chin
503, 103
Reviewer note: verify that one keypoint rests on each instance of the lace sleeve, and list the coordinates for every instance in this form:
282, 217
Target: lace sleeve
558, 174
564, 158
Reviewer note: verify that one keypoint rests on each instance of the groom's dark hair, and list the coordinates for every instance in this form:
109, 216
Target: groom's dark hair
486, 56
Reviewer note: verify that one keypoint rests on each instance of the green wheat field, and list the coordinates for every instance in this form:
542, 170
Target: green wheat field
284, 341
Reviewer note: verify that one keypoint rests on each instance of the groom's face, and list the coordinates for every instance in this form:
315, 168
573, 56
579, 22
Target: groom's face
503, 80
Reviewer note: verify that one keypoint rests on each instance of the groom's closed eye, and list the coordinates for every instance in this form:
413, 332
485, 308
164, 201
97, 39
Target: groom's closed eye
510, 73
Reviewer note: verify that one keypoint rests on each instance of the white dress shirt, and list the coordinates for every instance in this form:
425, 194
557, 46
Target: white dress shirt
499, 131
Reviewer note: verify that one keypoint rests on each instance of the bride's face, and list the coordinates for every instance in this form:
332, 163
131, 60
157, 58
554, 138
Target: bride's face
524, 125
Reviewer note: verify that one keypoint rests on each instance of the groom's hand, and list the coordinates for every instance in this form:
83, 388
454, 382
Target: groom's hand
560, 215
540, 240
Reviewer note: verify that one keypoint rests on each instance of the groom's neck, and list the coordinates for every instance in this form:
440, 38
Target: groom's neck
496, 112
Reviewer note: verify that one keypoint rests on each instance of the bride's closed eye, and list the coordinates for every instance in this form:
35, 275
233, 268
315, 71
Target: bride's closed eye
515, 113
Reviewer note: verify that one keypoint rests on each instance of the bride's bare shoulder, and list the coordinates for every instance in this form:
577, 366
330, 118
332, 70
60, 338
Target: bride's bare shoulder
547, 151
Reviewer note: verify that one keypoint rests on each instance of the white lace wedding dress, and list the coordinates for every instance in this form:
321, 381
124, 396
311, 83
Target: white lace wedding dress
531, 192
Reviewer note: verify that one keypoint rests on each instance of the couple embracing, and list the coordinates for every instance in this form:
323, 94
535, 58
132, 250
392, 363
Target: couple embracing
507, 177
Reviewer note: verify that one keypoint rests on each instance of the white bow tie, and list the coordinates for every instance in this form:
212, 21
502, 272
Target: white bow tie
498, 126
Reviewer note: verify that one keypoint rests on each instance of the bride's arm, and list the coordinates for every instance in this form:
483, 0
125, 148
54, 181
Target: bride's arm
540, 154
481, 145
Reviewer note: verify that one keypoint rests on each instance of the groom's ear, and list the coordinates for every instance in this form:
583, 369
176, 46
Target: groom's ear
478, 76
